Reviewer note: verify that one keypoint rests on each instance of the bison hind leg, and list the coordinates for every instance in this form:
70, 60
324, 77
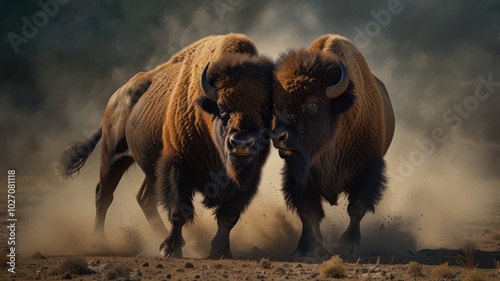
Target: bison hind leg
148, 201
364, 193
110, 176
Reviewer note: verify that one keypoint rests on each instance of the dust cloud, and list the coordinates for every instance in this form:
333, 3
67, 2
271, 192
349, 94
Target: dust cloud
431, 56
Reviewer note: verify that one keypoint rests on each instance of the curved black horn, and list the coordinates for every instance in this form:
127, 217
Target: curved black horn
336, 90
208, 89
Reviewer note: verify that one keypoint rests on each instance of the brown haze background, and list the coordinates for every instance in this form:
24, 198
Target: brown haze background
430, 55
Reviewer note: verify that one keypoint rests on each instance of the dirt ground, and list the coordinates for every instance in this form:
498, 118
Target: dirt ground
44, 255
156, 268
431, 265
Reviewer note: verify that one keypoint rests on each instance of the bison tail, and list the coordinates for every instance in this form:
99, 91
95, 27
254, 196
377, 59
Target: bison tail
75, 156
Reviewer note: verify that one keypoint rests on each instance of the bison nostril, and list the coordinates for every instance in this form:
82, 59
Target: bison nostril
241, 142
281, 136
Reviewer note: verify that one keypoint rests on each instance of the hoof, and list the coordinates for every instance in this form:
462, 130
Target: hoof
217, 255
171, 253
318, 252
349, 250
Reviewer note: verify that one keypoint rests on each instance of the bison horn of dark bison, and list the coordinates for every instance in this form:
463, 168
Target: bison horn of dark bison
336, 90
208, 89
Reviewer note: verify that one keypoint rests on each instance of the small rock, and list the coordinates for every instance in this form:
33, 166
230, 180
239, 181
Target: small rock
219, 266
38, 256
299, 266
169, 276
280, 271
145, 264
95, 262
160, 266
188, 265
180, 270
314, 275
225, 275
197, 276
134, 276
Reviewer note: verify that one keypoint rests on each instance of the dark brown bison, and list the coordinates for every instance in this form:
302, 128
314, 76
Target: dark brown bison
333, 124
195, 123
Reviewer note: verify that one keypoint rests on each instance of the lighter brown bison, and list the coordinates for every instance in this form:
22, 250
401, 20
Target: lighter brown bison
196, 123
334, 123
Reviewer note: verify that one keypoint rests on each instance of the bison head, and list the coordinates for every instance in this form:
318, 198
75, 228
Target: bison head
237, 92
311, 90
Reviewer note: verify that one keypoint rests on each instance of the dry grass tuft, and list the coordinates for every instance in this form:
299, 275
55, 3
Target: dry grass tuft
265, 263
415, 270
332, 268
467, 259
442, 271
71, 265
474, 275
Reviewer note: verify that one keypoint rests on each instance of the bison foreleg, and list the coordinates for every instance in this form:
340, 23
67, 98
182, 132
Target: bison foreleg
311, 241
364, 194
176, 194
351, 238
309, 208
227, 216
220, 244
172, 246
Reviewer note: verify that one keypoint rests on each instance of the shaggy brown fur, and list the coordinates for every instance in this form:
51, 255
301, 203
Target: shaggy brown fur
184, 141
330, 146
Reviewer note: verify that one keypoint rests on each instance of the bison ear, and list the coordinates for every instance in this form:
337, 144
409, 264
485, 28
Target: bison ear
208, 105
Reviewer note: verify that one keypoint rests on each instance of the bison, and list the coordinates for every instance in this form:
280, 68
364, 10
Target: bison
199, 122
333, 124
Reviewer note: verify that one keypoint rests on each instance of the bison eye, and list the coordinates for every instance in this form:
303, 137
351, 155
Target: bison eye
312, 108
223, 114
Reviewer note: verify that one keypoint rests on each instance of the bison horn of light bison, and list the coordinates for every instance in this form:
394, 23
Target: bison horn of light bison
333, 124
199, 122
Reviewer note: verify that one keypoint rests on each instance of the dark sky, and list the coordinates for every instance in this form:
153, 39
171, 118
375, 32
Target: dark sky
56, 81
